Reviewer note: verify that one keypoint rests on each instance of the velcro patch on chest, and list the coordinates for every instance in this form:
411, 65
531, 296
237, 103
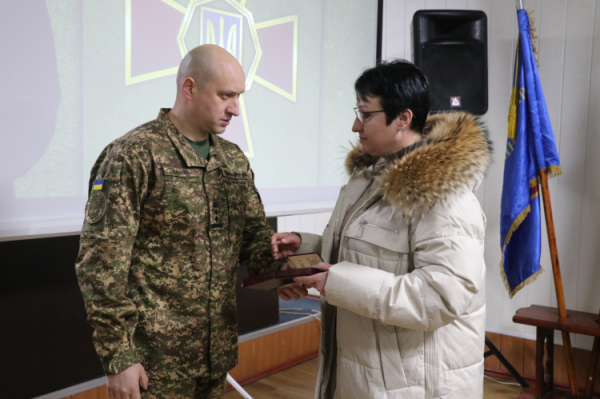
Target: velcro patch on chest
181, 172
234, 175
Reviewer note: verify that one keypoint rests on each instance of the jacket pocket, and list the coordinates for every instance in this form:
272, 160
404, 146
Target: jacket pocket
378, 244
183, 193
392, 366
236, 187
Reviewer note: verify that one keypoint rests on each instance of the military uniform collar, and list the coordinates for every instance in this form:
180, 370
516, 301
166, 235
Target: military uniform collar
191, 159
217, 159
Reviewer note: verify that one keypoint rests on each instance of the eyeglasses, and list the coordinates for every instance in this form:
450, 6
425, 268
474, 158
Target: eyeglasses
361, 115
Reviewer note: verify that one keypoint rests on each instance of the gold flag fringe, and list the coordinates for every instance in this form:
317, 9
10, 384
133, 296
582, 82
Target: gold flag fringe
536, 181
515, 225
527, 281
533, 36
553, 170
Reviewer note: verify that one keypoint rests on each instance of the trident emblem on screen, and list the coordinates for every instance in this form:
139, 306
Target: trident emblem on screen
267, 50
223, 30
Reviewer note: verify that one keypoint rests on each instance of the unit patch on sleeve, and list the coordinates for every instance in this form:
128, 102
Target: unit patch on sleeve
96, 207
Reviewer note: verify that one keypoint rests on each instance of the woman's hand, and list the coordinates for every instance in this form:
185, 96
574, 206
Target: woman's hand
292, 291
318, 280
285, 244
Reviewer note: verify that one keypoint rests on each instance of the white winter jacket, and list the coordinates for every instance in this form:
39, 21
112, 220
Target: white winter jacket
404, 314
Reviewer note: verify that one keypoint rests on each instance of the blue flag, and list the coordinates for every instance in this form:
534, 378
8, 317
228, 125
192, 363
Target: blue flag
530, 148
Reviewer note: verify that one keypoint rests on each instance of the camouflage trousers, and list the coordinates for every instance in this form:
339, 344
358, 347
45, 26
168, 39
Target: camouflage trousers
198, 388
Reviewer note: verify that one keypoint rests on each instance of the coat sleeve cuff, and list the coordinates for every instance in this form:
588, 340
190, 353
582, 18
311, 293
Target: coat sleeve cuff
121, 362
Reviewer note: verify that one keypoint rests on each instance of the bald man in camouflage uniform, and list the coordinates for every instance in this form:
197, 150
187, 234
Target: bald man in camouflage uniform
165, 230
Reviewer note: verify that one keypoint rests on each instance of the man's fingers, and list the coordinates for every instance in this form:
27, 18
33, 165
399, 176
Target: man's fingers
144, 380
283, 296
292, 295
276, 238
283, 293
114, 393
288, 293
308, 281
301, 291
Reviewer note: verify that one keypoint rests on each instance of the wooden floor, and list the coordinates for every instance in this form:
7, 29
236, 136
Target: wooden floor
299, 383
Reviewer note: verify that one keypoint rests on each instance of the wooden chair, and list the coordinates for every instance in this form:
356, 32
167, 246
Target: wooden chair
546, 320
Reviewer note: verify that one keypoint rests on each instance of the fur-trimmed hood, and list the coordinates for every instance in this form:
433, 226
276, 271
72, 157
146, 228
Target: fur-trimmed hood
453, 158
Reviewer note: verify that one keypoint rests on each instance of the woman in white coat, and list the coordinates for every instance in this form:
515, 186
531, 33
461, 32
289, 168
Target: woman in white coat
402, 295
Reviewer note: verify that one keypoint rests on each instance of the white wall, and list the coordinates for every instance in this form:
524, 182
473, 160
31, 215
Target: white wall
569, 58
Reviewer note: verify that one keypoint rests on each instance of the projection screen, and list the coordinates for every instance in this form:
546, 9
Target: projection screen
75, 75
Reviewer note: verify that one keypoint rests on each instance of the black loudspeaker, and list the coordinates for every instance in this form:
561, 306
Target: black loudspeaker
450, 47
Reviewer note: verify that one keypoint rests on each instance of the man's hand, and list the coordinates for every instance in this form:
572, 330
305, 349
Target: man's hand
126, 384
293, 290
316, 281
285, 244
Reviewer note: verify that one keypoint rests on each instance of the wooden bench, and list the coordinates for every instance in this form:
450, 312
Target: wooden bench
546, 320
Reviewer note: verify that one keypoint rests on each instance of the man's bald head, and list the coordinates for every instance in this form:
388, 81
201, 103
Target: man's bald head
203, 63
209, 84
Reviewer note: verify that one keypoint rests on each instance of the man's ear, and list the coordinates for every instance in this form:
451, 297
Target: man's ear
405, 118
189, 88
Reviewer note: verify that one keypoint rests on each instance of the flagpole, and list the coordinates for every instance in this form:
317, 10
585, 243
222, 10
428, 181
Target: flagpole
543, 152
558, 285
520, 4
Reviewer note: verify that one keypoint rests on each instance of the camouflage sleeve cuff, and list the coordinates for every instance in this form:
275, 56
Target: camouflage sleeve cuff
121, 362
280, 262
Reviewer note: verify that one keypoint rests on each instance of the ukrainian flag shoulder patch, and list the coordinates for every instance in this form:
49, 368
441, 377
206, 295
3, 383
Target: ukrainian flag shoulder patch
97, 185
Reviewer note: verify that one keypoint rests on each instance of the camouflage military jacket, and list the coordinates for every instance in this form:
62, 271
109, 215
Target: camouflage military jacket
164, 233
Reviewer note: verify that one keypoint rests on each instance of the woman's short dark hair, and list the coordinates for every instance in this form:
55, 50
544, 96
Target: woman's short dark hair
400, 85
